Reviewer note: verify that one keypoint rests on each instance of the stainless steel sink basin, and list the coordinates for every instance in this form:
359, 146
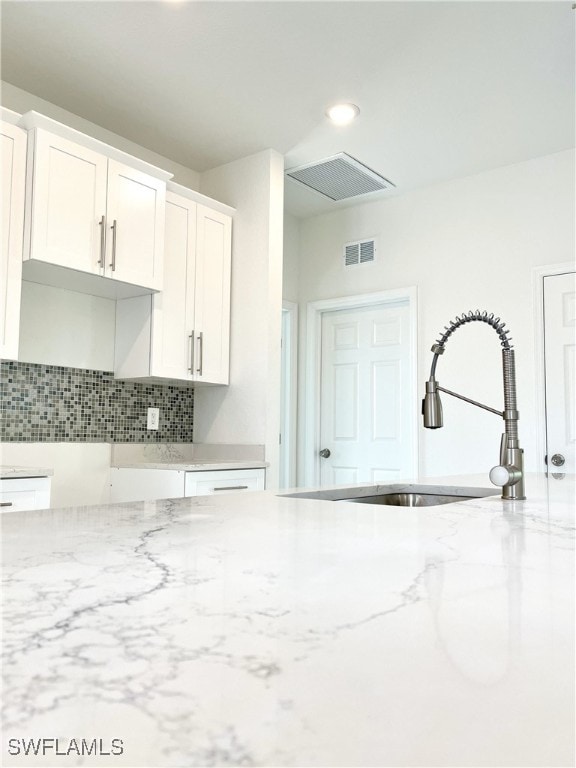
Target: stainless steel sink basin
410, 499
398, 494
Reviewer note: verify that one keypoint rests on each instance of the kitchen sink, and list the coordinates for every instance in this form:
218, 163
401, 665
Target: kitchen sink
410, 499
398, 495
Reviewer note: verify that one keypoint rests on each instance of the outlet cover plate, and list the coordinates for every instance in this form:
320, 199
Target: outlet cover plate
153, 418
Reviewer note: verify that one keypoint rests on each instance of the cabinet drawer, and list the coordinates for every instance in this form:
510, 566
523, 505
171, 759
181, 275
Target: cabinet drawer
224, 481
21, 494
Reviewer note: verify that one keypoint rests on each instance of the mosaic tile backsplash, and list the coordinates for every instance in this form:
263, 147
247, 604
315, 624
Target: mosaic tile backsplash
50, 403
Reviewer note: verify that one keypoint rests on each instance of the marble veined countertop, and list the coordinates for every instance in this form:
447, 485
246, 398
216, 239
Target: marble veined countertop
255, 630
196, 466
187, 457
10, 472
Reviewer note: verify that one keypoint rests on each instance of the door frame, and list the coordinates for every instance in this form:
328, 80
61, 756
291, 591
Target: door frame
314, 312
538, 275
288, 400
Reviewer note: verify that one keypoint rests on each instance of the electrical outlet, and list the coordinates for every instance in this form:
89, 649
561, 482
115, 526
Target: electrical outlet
153, 418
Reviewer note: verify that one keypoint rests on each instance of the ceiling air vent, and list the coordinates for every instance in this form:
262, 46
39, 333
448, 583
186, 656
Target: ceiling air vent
339, 177
360, 252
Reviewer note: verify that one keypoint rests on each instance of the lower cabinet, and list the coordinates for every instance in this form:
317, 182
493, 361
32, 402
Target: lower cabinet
132, 484
145, 484
24, 493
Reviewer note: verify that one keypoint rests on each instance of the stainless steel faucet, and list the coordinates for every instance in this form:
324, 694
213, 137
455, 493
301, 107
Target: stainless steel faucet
509, 474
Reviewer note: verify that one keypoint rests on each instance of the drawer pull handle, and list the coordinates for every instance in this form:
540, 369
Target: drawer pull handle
6, 503
232, 488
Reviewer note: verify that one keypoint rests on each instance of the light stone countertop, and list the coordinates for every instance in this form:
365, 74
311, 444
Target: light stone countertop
187, 457
196, 466
9, 472
255, 630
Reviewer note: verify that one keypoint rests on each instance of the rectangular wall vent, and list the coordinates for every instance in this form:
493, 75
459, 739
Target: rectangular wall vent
339, 177
360, 252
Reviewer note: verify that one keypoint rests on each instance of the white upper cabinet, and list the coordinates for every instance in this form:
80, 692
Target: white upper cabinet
212, 306
92, 213
135, 226
183, 333
68, 203
13, 183
172, 340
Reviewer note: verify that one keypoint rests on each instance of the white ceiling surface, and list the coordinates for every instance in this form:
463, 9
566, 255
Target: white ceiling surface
446, 89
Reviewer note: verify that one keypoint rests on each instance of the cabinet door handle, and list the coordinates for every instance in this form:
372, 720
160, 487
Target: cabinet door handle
6, 503
102, 224
200, 352
191, 337
114, 229
232, 488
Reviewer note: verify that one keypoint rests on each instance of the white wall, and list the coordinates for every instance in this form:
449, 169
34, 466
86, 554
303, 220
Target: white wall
290, 266
81, 470
21, 101
248, 411
467, 244
59, 327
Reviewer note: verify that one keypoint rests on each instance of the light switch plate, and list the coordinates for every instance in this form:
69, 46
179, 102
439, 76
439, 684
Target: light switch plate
153, 418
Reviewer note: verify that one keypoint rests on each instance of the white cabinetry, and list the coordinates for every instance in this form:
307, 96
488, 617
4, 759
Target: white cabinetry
133, 484
212, 297
13, 181
91, 216
20, 494
183, 333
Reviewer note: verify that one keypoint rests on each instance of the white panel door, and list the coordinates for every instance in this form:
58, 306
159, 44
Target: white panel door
365, 405
212, 312
13, 180
68, 203
173, 308
559, 339
135, 218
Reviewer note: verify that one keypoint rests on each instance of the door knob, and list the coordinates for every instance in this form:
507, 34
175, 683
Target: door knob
325, 453
558, 460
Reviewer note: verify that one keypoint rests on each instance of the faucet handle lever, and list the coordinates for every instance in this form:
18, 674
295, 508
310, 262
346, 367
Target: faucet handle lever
505, 475
504, 449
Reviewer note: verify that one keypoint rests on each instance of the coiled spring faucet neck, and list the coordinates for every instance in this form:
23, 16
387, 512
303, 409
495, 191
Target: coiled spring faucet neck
510, 472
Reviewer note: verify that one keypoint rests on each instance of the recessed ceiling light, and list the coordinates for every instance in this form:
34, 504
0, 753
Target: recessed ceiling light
342, 114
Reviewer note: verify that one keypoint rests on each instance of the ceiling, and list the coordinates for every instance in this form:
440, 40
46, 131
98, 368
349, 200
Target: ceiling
445, 89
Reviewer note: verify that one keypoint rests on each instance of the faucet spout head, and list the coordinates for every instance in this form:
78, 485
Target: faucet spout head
432, 406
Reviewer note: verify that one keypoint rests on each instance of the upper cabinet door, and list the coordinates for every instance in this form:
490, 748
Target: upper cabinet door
173, 308
135, 226
68, 203
212, 311
13, 182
